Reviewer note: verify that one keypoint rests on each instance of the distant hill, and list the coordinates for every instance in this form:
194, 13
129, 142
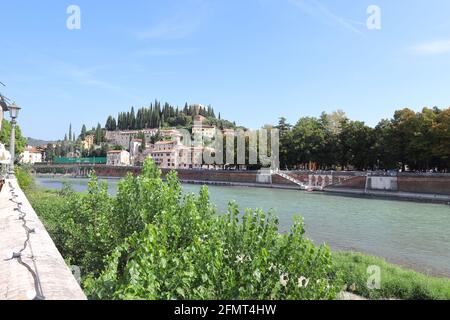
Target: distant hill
37, 142
164, 115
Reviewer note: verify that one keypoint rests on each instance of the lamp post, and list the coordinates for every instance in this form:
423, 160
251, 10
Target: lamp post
14, 113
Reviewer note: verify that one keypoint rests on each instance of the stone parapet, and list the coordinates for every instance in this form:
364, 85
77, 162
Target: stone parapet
31, 267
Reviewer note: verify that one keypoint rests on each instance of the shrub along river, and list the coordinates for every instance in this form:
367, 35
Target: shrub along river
415, 235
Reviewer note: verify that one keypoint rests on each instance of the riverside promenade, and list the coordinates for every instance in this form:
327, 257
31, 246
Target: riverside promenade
31, 267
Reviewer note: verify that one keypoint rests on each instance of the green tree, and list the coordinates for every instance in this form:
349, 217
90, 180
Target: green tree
440, 147
286, 155
5, 135
83, 132
98, 136
357, 145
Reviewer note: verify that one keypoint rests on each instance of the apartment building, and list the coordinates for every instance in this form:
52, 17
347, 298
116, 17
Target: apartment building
118, 158
31, 155
123, 138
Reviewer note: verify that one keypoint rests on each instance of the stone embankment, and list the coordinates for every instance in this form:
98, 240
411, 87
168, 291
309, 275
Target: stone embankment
405, 186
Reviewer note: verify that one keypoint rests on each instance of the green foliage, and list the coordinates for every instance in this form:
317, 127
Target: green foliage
163, 116
80, 224
5, 135
185, 251
414, 140
396, 282
24, 177
152, 241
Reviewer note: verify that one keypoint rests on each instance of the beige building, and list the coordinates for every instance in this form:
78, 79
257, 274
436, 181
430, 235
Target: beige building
31, 155
165, 154
123, 138
118, 158
88, 142
199, 128
204, 130
174, 155
135, 153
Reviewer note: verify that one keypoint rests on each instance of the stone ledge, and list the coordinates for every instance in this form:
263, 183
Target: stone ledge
16, 282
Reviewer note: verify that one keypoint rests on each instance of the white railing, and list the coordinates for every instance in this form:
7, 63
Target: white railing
292, 179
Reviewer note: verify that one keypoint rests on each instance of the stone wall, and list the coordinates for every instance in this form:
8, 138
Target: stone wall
49, 273
213, 175
435, 184
351, 183
406, 182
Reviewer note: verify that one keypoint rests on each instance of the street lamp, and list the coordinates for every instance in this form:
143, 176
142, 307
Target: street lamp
13, 113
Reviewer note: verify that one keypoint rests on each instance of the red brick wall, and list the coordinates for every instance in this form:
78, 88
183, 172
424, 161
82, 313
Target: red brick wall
222, 176
353, 183
434, 185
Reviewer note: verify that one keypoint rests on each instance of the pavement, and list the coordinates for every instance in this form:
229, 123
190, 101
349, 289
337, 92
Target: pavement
399, 195
31, 267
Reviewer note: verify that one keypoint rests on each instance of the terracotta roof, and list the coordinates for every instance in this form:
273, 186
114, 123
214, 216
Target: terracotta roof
32, 149
165, 142
203, 126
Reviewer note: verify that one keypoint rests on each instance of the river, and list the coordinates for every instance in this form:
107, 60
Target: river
414, 235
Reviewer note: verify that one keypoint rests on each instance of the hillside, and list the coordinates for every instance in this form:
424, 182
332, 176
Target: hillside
159, 115
37, 142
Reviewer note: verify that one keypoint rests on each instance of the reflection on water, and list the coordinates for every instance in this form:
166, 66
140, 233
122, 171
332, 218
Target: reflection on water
415, 235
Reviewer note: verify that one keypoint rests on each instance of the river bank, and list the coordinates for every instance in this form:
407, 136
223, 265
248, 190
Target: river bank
331, 216
339, 191
398, 231
396, 282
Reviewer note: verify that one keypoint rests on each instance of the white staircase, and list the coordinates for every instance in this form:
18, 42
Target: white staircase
293, 180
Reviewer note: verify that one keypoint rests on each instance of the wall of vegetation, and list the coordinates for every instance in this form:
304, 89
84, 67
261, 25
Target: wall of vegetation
151, 241
410, 140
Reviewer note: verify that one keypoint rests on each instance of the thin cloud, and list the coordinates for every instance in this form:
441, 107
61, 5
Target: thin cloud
87, 77
164, 52
432, 48
171, 29
182, 24
317, 10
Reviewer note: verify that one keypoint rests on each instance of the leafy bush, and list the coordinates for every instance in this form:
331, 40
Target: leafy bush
181, 249
396, 282
153, 242
23, 177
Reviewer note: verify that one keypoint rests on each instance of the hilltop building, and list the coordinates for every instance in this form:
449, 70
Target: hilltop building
175, 155
118, 158
88, 142
123, 138
199, 128
135, 154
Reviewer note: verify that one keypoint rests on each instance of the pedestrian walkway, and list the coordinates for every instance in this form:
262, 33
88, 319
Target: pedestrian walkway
31, 267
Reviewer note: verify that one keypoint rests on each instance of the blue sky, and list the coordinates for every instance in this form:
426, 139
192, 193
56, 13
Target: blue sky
253, 60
